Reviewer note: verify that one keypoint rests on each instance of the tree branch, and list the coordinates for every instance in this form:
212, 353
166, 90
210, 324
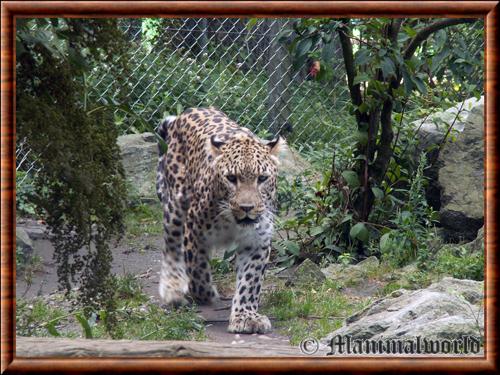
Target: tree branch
394, 28
428, 30
346, 45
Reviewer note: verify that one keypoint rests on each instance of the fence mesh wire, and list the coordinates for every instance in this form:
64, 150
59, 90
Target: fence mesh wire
244, 71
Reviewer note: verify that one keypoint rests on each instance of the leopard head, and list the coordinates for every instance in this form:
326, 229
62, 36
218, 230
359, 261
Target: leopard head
245, 170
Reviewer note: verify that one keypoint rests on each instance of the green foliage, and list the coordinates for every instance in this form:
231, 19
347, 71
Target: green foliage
308, 312
24, 195
144, 219
135, 318
215, 79
320, 221
29, 316
459, 262
393, 66
412, 225
223, 266
80, 187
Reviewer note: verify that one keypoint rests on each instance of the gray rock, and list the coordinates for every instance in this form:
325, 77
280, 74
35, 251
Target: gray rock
292, 164
307, 272
432, 130
351, 274
456, 173
477, 244
140, 157
461, 178
447, 309
369, 263
24, 242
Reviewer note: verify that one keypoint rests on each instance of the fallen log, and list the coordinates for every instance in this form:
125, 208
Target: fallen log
62, 347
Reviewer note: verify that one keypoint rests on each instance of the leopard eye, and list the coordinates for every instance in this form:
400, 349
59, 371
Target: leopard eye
262, 178
231, 178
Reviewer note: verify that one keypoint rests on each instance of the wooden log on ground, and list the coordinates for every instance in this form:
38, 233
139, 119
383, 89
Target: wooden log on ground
62, 347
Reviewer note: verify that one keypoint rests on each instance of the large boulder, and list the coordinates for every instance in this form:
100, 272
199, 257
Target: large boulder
292, 164
307, 273
461, 178
139, 154
355, 274
24, 243
432, 129
456, 174
448, 309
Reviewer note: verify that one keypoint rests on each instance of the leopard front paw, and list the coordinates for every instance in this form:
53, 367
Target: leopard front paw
249, 322
173, 291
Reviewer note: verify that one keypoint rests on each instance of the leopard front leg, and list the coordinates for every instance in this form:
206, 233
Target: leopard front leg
174, 281
198, 268
251, 263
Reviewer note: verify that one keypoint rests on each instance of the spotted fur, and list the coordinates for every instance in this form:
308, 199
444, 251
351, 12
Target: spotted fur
217, 184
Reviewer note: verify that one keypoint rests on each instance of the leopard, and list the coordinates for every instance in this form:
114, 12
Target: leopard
216, 182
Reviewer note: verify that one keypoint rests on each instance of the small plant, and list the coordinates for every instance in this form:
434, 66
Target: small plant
412, 224
309, 312
221, 267
134, 317
24, 195
144, 219
459, 263
345, 259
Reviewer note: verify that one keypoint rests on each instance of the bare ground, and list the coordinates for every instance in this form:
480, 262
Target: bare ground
139, 256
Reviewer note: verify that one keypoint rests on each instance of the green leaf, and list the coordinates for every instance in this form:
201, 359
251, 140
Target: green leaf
359, 232
361, 77
292, 247
283, 36
420, 84
251, 23
179, 109
410, 31
407, 81
328, 52
363, 107
351, 178
316, 230
346, 218
85, 325
440, 38
51, 328
378, 193
361, 137
362, 57
388, 67
385, 242
303, 47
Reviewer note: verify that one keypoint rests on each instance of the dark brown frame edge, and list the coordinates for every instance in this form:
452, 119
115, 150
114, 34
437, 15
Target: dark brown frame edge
10, 9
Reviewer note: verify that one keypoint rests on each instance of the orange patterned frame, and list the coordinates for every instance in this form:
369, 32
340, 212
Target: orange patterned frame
12, 9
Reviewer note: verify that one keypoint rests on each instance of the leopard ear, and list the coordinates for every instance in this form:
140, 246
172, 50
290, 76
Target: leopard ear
216, 144
275, 145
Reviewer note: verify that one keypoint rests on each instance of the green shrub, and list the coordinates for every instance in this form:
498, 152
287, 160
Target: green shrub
460, 263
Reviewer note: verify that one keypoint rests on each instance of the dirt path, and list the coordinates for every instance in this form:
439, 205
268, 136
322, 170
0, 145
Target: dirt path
141, 257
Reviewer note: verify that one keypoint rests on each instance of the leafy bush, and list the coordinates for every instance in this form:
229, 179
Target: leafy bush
80, 185
459, 263
25, 193
413, 221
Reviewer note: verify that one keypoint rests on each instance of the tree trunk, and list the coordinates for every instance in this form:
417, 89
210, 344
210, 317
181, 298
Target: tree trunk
278, 70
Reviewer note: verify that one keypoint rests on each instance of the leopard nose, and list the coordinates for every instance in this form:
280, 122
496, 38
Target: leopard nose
246, 207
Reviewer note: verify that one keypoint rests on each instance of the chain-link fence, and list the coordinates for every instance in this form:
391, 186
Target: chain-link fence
244, 71
240, 66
